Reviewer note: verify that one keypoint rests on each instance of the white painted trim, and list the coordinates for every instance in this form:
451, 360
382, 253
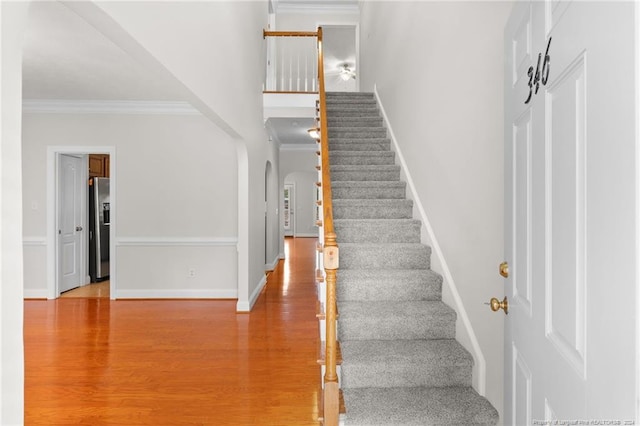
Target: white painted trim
637, 215
282, 256
34, 241
243, 306
37, 293
290, 100
52, 153
271, 266
177, 294
244, 262
480, 365
315, 8
61, 106
176, 242
304, 235
299, 147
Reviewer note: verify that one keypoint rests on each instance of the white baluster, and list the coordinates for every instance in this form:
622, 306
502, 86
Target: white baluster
306, 71
282, 70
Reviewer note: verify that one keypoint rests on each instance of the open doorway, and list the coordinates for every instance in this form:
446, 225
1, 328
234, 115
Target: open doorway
340, 50
288, 210
80, 226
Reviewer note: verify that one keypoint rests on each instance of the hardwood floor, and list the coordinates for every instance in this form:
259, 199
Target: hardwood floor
101, 289
93, 361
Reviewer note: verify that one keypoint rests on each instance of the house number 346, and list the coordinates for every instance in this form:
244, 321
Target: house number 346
540, 76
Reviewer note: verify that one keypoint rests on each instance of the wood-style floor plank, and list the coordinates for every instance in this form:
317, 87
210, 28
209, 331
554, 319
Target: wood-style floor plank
92, 361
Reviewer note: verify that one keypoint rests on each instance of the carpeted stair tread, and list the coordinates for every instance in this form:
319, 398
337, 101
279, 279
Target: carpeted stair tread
356, 141
339, 157
395, 320
389, 285
418, 406
365, 173
337, 122
364, 145
385, 256
393, 363
377, 230
372, 209
368, 189
332, 94
347, 110
353, 132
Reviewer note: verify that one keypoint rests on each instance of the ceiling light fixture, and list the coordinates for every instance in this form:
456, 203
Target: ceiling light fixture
347, 73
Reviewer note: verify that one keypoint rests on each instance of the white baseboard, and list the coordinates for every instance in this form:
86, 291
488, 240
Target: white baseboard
246, 306
176, 294
36, 293
271, 266
282, 256
303, 235
469, 340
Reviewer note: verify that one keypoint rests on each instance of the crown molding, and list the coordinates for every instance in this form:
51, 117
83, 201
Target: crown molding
313, 7
63, 106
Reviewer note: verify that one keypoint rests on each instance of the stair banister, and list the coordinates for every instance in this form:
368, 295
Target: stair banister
331, 394
330, 258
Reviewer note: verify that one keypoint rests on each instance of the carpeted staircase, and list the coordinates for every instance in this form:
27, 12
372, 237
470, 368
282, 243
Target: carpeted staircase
401, 363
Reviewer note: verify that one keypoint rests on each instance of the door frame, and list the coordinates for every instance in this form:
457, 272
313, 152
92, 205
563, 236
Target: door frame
292, 218
53, 153
637, 163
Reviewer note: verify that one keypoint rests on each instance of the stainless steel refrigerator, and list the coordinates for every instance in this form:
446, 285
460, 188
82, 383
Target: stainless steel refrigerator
99, 221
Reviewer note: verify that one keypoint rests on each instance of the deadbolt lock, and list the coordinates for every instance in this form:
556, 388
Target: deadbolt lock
504, 269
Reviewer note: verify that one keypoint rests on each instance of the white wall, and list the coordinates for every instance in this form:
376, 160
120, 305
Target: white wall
215, 50
176, 204
13, 17
311, 21
437, 67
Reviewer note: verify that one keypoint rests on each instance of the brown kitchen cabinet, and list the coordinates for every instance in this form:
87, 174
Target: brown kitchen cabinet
98, 165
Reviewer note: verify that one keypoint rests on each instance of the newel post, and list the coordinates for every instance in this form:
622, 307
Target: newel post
331, 387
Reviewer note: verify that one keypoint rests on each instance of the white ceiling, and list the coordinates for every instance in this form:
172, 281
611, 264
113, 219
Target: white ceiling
64, 57
291, 131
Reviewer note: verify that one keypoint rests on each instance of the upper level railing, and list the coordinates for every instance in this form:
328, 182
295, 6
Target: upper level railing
292, 62
289, 71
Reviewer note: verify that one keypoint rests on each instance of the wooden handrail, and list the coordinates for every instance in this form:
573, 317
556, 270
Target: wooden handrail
266, 34
331, 259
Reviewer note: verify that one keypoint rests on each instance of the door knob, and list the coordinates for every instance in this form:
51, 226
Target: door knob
496, 305
78, 228
504, 269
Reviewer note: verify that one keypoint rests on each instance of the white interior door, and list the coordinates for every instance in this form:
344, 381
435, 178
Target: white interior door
70, 222
570, 221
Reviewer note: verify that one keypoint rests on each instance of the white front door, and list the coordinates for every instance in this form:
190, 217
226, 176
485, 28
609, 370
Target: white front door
70, 223
570, 212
